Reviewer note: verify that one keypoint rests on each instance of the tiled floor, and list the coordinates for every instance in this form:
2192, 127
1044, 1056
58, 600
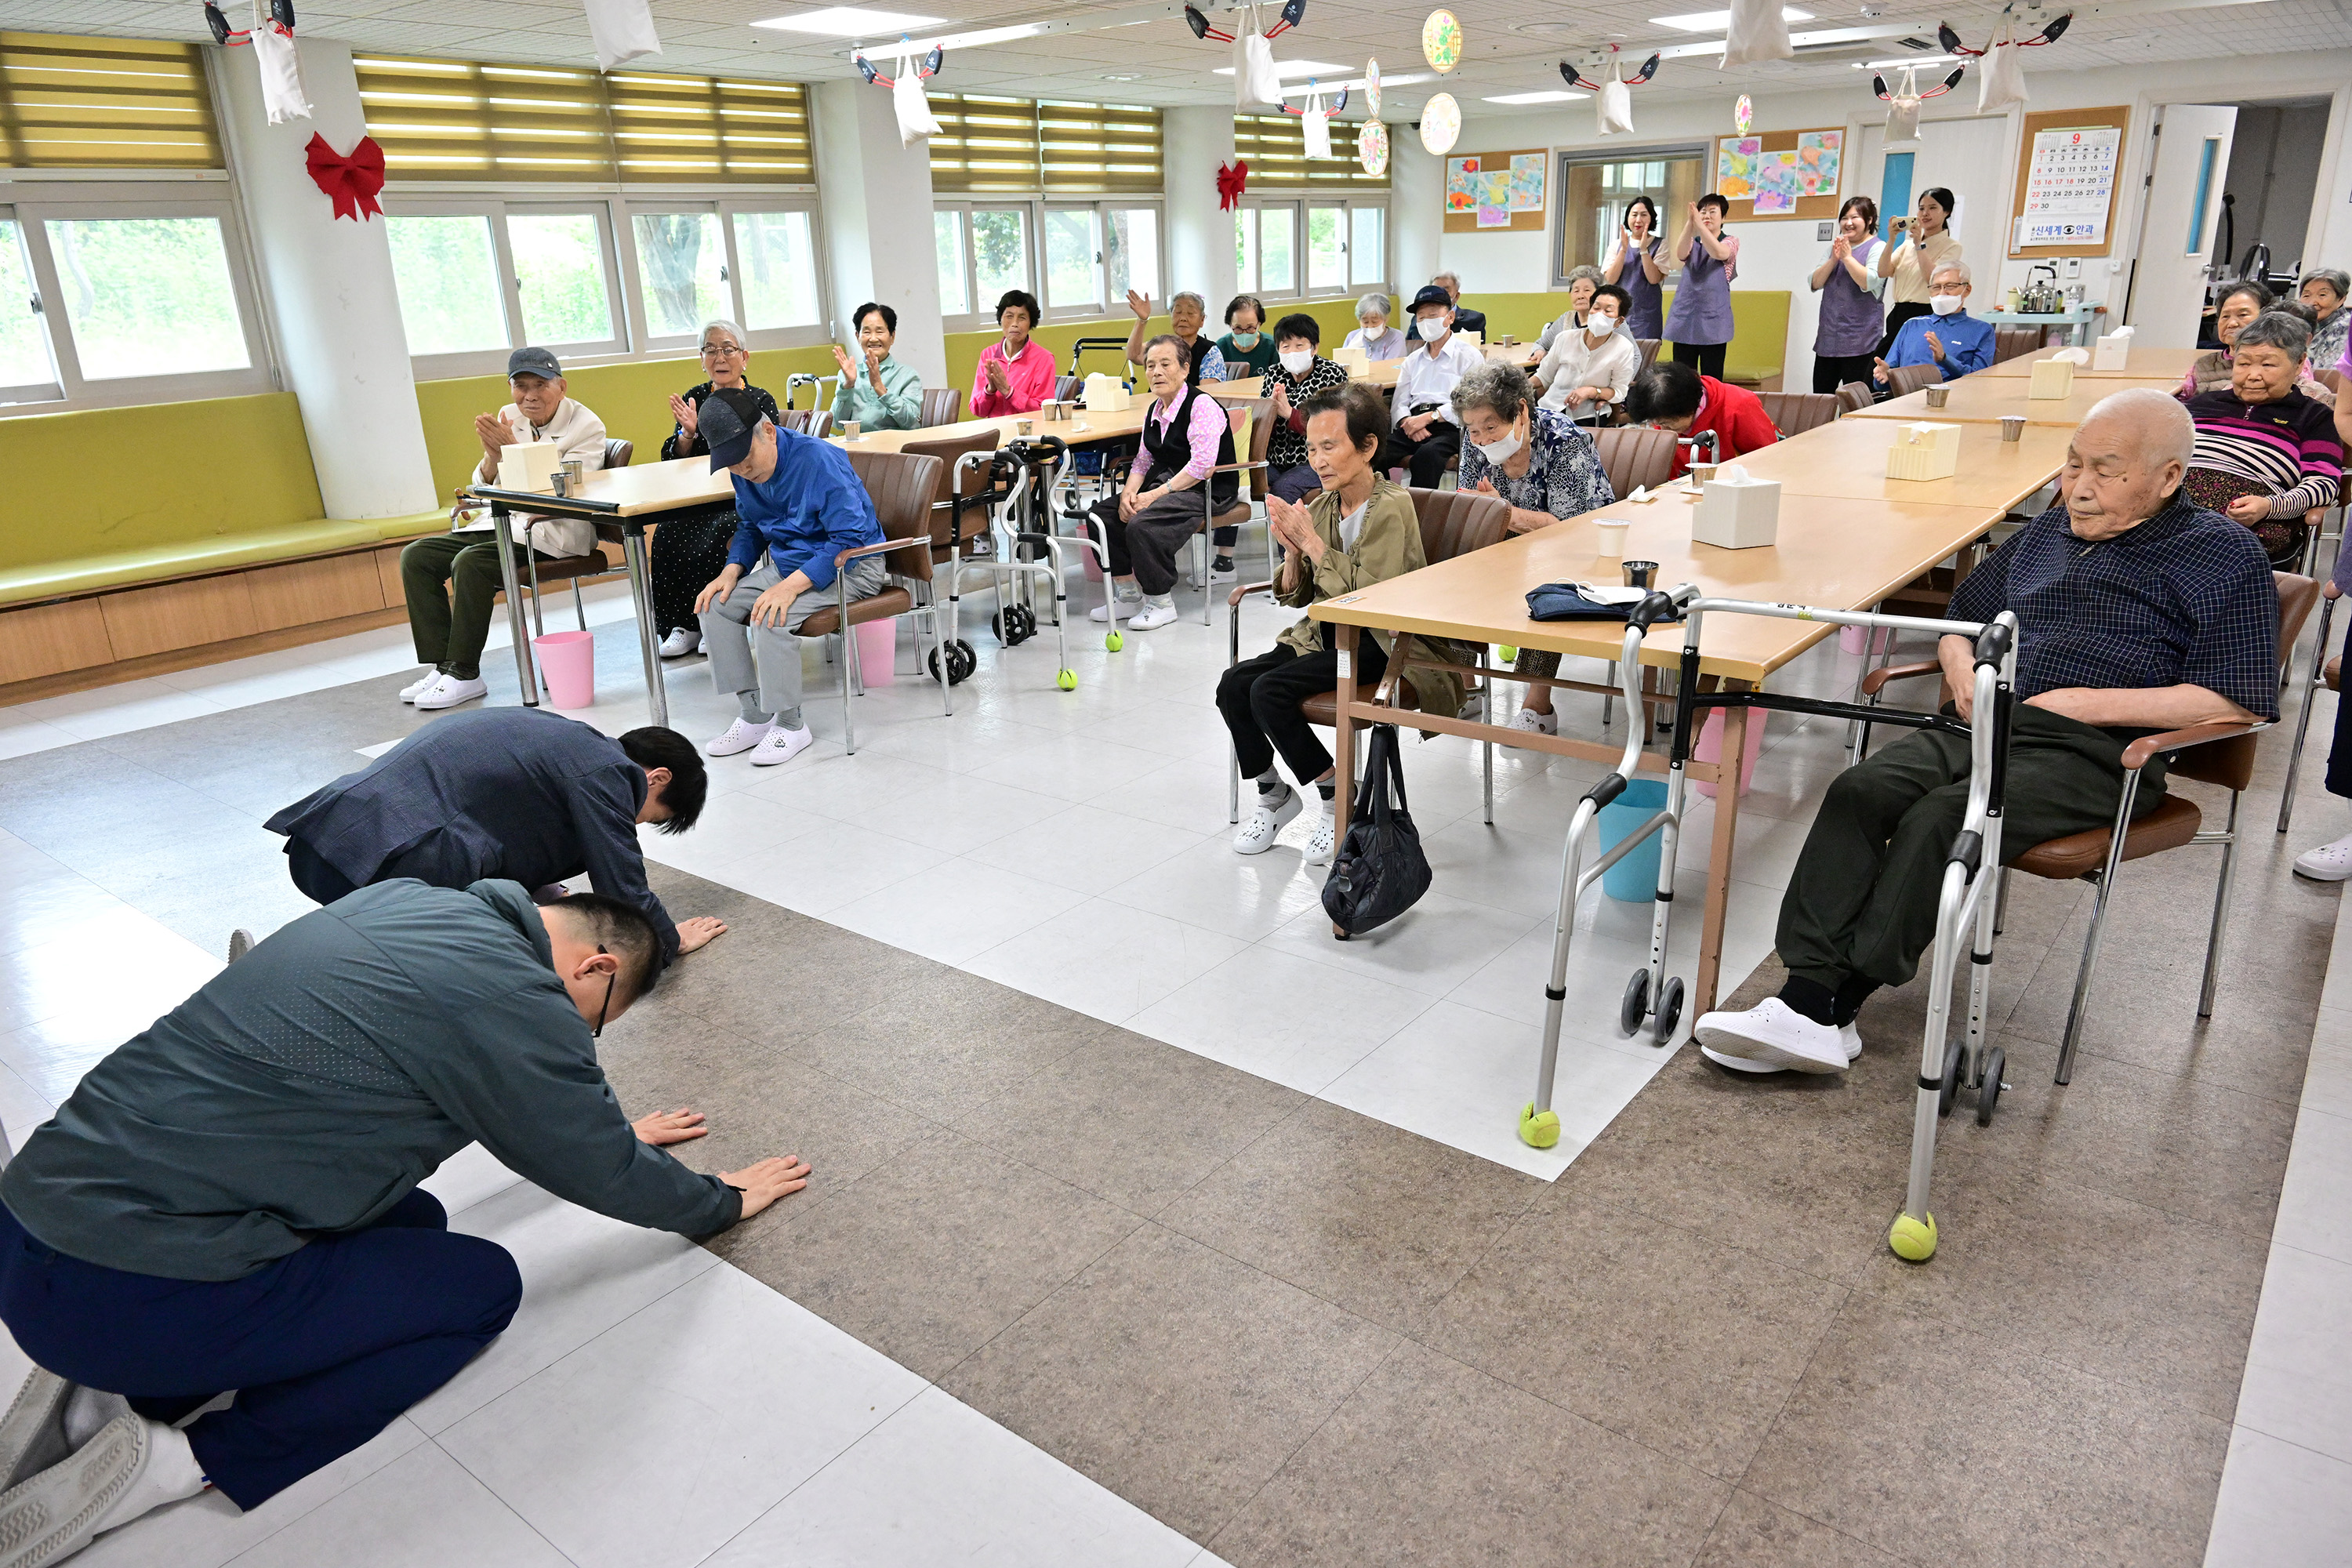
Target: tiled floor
1151, 1226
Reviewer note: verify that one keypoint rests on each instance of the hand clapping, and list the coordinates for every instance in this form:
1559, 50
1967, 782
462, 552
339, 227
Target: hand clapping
1293, 527
1934, 344
1140, 304
684, 413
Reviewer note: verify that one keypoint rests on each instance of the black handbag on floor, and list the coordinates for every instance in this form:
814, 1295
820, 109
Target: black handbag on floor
1379, 871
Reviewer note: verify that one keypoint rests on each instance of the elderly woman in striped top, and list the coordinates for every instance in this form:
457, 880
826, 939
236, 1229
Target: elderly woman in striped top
2265, 453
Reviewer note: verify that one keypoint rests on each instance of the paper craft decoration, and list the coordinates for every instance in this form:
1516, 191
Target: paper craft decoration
1743, 114
1735, 158
1441, 41
272, 38
621, 30
1372, 87
914, 111
2002, 79
1757, 31
1924, 451
1613, 101
1526, 182
353, 182
1441, 125
1902, 105
1231, 180
1736, 511
1317, 124
1372, 148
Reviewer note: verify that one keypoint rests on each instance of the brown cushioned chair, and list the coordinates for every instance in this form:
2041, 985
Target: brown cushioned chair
2213, 753
1794, 412
1634, 455
817, 421
941, 405
902, 488
1908, 378
1649, 347
2014, 343
1854, 396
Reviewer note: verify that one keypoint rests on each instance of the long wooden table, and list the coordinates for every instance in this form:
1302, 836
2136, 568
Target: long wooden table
2140, 364
1980, 399
1848, 458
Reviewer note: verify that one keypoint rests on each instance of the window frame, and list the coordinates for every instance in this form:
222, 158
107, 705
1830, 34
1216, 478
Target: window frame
1304, 201
1035, 207
1567, 159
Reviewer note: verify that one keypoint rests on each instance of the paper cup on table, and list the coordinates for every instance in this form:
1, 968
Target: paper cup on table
1938, 395
1611, 532
2013, 428
850, 429
1025, 429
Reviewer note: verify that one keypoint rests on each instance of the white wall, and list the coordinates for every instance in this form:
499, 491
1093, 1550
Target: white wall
1196, 143
876, 219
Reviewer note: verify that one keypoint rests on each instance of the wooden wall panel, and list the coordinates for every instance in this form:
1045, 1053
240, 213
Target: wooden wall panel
387, 571
179, 615
49, 639
301, 591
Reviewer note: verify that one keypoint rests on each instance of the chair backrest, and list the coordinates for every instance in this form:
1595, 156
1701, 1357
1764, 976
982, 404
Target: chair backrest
1793, 413
1066, 387
941, 405
618, 452
1261, 430
1455, 522
950, 451
795, 419
902, 485
1635, 455
1906, 378
2231, 764
1649, 347
1854, 396
2013, 342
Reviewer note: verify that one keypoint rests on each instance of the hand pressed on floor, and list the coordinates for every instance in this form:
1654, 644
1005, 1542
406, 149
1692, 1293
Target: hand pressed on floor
764, 1183
697, 933
666, 1127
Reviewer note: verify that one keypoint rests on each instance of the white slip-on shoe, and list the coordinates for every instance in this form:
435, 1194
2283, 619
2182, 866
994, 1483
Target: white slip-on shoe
53, 1513
1527, 719
1119, 608
740, 736
1774, 1033
240, 942
1256, 834
1153, 614
680, 642
2328, 863
449, 691
782, 746
1848, 1037
33, 1432
1323, 841
420, 686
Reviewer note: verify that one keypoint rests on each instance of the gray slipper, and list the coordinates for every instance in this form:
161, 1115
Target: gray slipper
33, 1432
53, 1515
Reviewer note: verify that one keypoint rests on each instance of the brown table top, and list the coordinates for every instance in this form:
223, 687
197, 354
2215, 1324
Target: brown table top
1837, 552
1848, 458
634, 491
1098, 427
2144, 364
1982, 400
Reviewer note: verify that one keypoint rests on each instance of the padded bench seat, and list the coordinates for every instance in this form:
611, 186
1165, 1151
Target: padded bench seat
192, 557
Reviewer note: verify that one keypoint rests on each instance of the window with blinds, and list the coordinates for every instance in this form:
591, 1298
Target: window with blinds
450, 119
1275, 147
984, 144
104, 103
1009, 144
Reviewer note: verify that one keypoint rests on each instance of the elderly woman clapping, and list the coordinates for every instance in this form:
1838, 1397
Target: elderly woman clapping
689, 548
2265, 454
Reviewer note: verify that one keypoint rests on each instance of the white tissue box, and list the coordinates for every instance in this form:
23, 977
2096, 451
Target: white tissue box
2052, 378
1352, 359
1924, 451
529, 465
1106, 395
1735, 512
1476, 340
2114, 350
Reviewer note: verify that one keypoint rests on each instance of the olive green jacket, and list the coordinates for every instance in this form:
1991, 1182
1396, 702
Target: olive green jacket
1389, 546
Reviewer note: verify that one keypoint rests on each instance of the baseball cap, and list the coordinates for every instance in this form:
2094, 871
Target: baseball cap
532, 361
1433, 294
727, 418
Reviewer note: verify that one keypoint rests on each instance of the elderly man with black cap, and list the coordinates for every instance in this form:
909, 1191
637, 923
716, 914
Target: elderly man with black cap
1425, 435
802, 505
452, 579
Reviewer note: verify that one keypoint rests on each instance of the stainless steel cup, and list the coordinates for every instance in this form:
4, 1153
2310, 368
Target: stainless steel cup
1638, 574
1938, 395
2012, 426
576, 469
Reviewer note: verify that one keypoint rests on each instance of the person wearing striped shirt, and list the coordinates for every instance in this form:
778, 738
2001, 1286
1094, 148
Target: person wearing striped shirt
2266, 455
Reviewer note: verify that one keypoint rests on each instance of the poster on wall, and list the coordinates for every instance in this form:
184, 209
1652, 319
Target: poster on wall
1494, 189
1526, 182
2069, 185
1735, 166
1778, 184
1819, 154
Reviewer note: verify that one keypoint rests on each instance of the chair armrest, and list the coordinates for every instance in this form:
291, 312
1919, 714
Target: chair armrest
1877, 679
911, 542
2137, 755
1237, 467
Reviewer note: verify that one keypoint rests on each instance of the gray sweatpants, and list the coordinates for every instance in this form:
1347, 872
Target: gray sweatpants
774, 674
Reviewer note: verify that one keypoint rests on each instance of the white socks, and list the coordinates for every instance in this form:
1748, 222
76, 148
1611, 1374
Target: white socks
170, 1474
87, 1411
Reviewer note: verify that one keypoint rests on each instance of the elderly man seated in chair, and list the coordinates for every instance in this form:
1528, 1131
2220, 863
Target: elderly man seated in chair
2137, 613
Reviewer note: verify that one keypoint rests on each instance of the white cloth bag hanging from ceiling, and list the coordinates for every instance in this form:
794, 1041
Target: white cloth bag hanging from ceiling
1318, 124
281, 73
1615, 103
1903, 112
621, 30
2000, 80
1757, 31
1255, 82
916, 121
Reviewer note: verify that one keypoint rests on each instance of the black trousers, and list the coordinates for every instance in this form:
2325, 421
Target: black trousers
1707, 357
1895, 316
688, 551
1833, 371
1260, 696
451, 582
1425, 459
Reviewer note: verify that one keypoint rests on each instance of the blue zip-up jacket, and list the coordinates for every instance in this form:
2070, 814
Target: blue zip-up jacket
804, 514
1967, 344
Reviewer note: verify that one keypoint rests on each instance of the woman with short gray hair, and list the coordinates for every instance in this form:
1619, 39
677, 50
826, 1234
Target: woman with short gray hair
1581, 282
690, 548
2325, 290
1541, 462
1186, 313
1373, 335
2266, 455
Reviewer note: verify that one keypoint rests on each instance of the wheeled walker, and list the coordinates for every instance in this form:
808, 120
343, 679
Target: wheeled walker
1021, 477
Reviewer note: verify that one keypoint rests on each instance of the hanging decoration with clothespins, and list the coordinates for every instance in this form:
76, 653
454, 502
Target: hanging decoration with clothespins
1232, 179
621, 31
916, 121
1318, 118
1255, 82
272, 38
1902, 105
1743, 114
1372, 88
2001, 79
1372, 148
1615, 101
1757, 30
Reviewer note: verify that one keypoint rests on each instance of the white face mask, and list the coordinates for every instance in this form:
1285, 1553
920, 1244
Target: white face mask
1947, 304
1499, 451
1599, 325
1297, 360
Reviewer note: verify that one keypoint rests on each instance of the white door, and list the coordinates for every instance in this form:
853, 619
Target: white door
2176, 228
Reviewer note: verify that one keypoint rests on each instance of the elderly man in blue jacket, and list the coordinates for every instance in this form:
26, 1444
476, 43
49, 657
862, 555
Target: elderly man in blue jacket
1951, 340
802, 505
229, 1200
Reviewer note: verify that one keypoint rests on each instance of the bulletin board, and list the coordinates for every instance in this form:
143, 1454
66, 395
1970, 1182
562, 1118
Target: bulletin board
1496, 193
2049, 148
1772, 176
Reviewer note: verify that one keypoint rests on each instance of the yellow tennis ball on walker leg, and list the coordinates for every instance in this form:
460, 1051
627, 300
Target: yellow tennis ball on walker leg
1914, 1240
1067, 680
1114, 642
1539, 1128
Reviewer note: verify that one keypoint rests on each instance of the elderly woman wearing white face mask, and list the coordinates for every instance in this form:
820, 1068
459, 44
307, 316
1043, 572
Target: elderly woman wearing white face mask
1299, 373
1588, 370
1373, 335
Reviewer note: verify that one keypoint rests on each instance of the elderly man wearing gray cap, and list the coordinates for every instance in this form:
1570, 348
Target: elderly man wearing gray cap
452, 579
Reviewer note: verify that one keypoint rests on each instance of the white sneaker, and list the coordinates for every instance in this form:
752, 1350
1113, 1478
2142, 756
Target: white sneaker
1119, 608
680, 643
420, 686
449, 691
1776, 1035
740, 736
1257, 831
1154, 613
1848, 1036
1322, 842
240, 942
2328, 863
1473, 708
782, 746
1527, 719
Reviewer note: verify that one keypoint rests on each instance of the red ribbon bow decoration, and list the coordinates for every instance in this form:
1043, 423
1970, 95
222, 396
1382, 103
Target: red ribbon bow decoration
1231, 177
351, 183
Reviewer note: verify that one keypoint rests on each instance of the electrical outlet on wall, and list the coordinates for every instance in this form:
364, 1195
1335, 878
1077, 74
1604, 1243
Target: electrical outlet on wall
1825, 231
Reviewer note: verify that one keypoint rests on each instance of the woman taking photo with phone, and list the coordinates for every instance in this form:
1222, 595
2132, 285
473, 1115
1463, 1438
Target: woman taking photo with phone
1635, 266
1909, 258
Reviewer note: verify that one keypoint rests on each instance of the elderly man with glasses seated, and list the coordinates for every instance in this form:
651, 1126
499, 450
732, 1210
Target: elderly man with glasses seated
1950, 339
689, 548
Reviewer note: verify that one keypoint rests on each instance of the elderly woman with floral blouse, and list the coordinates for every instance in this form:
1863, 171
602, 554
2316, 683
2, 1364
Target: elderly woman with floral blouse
690, 547
1544, 465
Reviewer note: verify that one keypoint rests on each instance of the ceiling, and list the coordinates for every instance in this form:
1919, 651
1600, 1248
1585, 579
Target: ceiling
1507, 49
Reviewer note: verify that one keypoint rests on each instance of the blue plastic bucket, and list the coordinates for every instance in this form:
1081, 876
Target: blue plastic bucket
1633, 879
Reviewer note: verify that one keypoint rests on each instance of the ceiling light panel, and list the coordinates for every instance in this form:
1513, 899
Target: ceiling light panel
1555, 95
1717, 21
849, 22
1288, 68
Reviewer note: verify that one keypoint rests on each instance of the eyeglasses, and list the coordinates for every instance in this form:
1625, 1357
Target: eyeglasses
598, 1031
724, 351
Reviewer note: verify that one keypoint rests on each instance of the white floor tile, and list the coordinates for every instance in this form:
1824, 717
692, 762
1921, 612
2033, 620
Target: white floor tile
956, 910
2280, 1507
1432, 948
1075, 767
1087, 849
831, 866
958, 813
842, 786
23, 737
939, 1483
1245, 896
2297, 1384
1105, 959
422, 1511
116, 710
1193, 794
662, 1437
1283, 1018
2312, 1213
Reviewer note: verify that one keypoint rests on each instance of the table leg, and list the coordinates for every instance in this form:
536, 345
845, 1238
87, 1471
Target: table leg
632, 550
1719, 859
1343, 746
524, 677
